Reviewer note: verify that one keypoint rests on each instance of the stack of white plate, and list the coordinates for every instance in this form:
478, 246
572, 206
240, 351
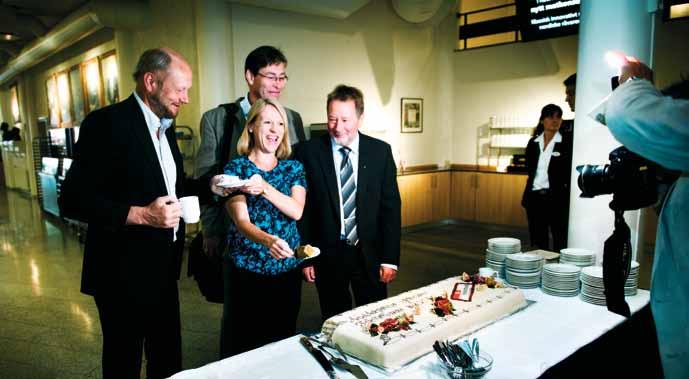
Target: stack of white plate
523, 270
496, 262
592, 290
505, 245
592, 283
560, 279
498, 249
632, 283
578, 257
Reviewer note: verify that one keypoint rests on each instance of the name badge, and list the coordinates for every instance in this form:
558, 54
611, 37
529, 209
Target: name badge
556, 153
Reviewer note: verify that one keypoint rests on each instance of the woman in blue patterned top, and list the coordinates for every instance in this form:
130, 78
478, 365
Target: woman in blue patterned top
265, 282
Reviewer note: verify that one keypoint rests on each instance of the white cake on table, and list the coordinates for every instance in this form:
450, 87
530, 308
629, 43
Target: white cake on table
392, 332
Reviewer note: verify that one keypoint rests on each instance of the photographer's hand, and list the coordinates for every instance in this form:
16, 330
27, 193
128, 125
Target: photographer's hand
634, 68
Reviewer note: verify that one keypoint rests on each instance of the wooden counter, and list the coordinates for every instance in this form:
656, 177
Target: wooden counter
461, 193
15, 166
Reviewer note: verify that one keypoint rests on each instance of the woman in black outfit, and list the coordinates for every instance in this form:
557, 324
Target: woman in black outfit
546, 196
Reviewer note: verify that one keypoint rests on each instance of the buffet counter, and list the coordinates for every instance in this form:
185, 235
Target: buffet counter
523, 345
15, 165
461, 192
434, 168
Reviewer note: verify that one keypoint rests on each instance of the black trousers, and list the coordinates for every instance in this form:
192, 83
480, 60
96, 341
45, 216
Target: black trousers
227, 324
264, 309
547, 214
133, 327
335, 273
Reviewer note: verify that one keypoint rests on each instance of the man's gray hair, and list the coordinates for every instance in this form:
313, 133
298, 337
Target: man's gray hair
151, 61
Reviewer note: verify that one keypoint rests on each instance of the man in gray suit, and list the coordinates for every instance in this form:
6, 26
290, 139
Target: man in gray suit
264, 71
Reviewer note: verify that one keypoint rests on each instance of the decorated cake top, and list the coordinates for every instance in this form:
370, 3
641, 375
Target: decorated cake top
416, 310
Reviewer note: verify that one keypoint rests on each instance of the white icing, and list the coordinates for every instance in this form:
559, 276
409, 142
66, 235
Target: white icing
350, 330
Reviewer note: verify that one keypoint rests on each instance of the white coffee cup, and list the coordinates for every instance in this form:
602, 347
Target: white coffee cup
486, 272
191, 212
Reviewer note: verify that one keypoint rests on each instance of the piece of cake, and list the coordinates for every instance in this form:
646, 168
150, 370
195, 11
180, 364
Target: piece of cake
395, 331
305, 251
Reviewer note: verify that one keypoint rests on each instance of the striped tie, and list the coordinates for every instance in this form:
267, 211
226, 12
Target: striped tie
348, 188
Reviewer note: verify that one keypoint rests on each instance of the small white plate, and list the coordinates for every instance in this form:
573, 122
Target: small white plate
562, 269
576, 252
230, 181
504, 241
525, 257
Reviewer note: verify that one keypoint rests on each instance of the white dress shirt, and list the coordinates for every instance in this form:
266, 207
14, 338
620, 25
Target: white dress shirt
354, 159
162, 148
245, 106
541, 181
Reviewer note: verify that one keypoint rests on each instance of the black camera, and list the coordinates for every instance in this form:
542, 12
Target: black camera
632, 182
630, 178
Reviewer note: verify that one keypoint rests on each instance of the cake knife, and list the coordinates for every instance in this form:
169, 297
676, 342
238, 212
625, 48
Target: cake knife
353, 369
320, 357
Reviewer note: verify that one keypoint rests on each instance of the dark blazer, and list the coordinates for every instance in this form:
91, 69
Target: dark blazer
378, 205
116, 166
559, 169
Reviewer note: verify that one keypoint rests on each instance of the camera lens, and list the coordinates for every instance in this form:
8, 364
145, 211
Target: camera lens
593, 180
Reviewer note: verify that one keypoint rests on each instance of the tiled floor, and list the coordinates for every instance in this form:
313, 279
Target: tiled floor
48, 329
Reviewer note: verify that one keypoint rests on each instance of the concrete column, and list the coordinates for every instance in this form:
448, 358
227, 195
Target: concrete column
215, 52
624, 25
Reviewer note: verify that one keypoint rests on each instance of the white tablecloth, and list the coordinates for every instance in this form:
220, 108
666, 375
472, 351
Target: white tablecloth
523, 345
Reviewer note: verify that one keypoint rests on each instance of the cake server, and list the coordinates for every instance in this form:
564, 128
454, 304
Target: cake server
355, 370
320, 357
342, 363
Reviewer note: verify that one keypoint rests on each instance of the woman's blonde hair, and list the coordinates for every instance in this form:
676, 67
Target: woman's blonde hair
246, 142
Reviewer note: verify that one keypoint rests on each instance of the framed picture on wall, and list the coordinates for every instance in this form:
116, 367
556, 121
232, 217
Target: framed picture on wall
53, 105
108, 66
64, 99
14, 104
90, 72
77, 93
412, 115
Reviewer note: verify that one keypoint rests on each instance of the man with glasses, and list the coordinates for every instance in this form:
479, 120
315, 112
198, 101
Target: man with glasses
264, 71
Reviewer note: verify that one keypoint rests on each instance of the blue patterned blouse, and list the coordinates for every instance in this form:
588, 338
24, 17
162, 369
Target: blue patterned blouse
253, 256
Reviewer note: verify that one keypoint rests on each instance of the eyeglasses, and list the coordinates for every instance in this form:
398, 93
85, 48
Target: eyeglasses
273, 78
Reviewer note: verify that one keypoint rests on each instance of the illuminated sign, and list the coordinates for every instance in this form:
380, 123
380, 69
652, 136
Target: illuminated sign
540, 19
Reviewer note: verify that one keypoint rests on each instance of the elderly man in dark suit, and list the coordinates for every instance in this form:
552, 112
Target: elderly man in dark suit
352, 208
124, 182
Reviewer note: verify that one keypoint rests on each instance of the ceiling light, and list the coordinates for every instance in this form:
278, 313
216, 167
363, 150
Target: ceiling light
8, 37
679, 11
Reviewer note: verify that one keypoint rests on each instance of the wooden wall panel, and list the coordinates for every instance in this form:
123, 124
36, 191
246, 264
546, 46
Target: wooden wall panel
498, 199
440, 189
512, 200
463, 195
416, 194
488, 192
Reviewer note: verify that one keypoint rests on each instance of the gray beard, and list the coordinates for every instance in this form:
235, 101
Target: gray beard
158, 108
